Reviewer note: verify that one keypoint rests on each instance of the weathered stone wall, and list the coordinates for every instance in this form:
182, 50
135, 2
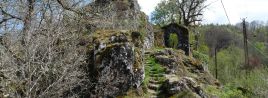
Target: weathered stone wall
183, 36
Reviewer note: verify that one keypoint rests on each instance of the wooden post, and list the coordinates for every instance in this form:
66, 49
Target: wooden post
216, 64
196, 38
245, 43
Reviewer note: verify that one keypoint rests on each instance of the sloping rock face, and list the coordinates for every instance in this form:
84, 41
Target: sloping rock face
115, 63
116, 14
185, 85
147, 30
185, 77
120, 37
121, 15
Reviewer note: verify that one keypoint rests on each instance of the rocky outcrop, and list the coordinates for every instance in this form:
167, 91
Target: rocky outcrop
147, 30
115, 14
120, 35
116, 63
179, 86
185, 77
120, 15
116, 57
169, 59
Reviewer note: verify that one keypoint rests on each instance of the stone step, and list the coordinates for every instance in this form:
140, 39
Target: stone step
154, 69
155, 72
156, 75
150, 64
146, 58
152, 92
157, 78
154, 81
153, 86
170, 75
153, 96
147, 52
147, 61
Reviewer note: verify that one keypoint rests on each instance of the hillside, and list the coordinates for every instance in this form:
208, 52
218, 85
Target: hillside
109, 49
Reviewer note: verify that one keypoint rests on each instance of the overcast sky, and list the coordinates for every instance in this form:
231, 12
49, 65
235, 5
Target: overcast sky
236, 9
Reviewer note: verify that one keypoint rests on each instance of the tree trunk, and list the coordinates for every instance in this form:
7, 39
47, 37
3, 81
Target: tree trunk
196, 37
27, 22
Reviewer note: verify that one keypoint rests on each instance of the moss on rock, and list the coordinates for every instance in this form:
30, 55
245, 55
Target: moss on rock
117, 60
185, 76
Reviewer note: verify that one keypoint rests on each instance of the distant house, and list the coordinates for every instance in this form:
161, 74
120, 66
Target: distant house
182, 33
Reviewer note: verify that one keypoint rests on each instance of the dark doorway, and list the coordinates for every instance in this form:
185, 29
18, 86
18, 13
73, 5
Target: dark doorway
182, 34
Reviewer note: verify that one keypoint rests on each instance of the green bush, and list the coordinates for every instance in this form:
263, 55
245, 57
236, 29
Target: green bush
203, 49
173, 40
226, 92
230, 71
230, 61
229, 64
200, 56
254, 81
260, 46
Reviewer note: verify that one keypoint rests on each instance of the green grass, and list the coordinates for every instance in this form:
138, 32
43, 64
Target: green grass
227, 92
152, 67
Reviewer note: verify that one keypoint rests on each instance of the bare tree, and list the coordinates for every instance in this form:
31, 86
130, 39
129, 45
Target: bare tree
191, 11
40, 54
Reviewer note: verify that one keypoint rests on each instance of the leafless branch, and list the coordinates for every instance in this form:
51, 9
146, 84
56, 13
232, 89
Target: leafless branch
61, 2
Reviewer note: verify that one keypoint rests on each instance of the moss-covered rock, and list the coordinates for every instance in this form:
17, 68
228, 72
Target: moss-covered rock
147, 31
185, 77
116, 62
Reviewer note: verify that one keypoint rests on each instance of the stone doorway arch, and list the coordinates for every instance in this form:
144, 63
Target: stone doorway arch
183, 36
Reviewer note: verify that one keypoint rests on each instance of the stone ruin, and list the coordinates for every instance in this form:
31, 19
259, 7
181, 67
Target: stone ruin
183, 36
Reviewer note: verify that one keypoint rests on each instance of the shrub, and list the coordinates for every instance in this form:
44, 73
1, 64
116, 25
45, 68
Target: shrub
200, 56
173, 40
227, 92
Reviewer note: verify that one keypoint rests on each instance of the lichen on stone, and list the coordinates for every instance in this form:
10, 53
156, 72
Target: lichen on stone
117, 60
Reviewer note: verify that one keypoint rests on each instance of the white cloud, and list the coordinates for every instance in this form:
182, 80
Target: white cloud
236, 9
147, 6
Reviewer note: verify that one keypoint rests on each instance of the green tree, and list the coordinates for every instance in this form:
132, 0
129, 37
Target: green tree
165, 13
217, 39
186, 12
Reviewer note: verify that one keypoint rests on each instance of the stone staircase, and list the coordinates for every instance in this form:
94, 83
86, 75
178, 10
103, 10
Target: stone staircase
156, 78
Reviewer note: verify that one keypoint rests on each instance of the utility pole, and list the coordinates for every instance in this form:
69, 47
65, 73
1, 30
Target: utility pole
245, 43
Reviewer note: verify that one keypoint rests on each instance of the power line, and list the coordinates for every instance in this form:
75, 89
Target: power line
225, 12
258, 50
247, 41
